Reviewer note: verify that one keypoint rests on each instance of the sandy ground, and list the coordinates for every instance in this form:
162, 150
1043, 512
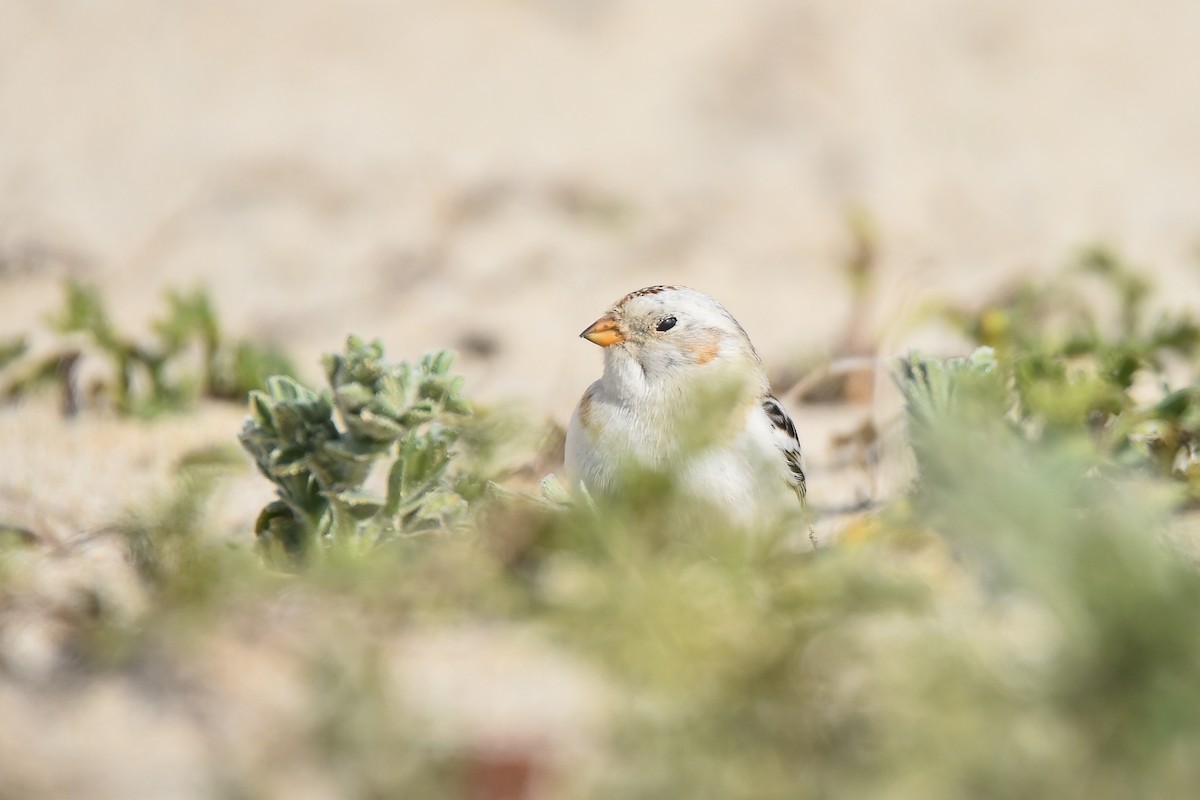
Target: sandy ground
499, 171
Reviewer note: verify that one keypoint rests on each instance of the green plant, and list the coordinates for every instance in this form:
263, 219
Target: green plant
1050, 525
1069, 370
320, 448
1020, 624
188, 358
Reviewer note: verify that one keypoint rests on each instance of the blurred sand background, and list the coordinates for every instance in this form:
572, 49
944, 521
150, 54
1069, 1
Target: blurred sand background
489, 176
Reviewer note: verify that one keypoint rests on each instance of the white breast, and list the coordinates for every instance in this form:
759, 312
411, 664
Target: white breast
605, 436
745, 476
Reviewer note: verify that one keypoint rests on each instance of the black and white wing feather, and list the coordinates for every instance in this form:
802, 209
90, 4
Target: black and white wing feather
788, 443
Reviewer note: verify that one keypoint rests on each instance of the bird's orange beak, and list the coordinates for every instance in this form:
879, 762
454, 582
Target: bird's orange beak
603, 332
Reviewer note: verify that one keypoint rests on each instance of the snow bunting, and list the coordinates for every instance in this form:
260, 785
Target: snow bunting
684, 391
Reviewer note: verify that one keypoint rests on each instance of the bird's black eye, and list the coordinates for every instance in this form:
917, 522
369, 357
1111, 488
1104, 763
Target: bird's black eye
665, 324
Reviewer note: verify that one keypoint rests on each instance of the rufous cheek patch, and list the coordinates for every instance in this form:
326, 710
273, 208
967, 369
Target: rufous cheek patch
705, 350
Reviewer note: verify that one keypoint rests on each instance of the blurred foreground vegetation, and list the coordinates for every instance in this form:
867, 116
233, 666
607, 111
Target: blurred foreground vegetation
1022, 623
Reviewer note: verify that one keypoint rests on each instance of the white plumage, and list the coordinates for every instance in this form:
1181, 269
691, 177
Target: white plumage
684, 391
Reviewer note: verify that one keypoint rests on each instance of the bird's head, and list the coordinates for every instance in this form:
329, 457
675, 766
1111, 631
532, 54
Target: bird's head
673, 332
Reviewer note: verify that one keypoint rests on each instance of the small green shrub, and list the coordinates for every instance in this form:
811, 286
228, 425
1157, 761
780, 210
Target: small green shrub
1066, 370
188, 358
319, 449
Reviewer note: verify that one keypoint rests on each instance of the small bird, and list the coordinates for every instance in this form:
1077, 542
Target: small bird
684, 392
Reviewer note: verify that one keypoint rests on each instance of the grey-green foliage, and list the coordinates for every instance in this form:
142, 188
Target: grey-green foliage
1020, 625
319, 448
1110, 685
930, 385
12, 349
188, 357
1074, 373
